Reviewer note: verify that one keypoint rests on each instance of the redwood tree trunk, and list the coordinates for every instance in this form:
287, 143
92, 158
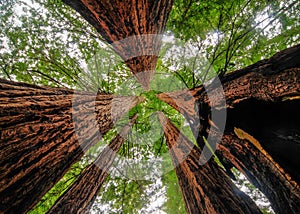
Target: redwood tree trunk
205, 188
244, 154
133, 27
40, 138
81, 195
262, 100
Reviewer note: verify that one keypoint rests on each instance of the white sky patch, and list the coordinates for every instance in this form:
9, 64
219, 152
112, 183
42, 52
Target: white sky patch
256, 195
264, 21
168, 39
212, 38
157, 200
22, 7
3, 45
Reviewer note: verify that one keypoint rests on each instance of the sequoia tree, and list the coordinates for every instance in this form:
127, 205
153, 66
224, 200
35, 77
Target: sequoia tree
43, 132
135, 35
59, 125
205, 188
260, 137
75, 200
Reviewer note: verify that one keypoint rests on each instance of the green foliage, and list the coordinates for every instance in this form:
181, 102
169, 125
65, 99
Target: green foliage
60, 187
173, 204
224, 34
45, 42
124, 195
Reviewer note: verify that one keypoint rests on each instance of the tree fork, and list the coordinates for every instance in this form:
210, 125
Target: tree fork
205, 188
43, 131
133, 28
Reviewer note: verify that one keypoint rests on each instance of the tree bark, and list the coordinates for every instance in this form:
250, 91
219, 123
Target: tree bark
43, 131
205, 188
246, 154
133, 28
81, 195
263, 101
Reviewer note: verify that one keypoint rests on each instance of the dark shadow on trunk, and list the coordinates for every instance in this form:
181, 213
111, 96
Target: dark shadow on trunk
275, 125
262, 102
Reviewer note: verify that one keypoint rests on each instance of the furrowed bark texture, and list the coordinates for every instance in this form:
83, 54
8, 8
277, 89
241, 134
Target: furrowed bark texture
43, 131
257, 164
205, 188
133, 27
82, 193
262, 100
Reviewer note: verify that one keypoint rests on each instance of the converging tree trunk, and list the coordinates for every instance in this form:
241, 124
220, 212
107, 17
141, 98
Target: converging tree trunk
261, 136
246, 154
82, 193
205, 188
133, 28
43, 131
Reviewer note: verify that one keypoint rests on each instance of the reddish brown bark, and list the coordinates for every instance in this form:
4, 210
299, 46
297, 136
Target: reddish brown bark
82, 193
263, 100
122, 23
39, 140
272, 80
257, 164
205, 188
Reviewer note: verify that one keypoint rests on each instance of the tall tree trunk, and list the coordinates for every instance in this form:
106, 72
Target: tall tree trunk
43, 131
236, 149
205, 188
82, 193
263, 101
133, 27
